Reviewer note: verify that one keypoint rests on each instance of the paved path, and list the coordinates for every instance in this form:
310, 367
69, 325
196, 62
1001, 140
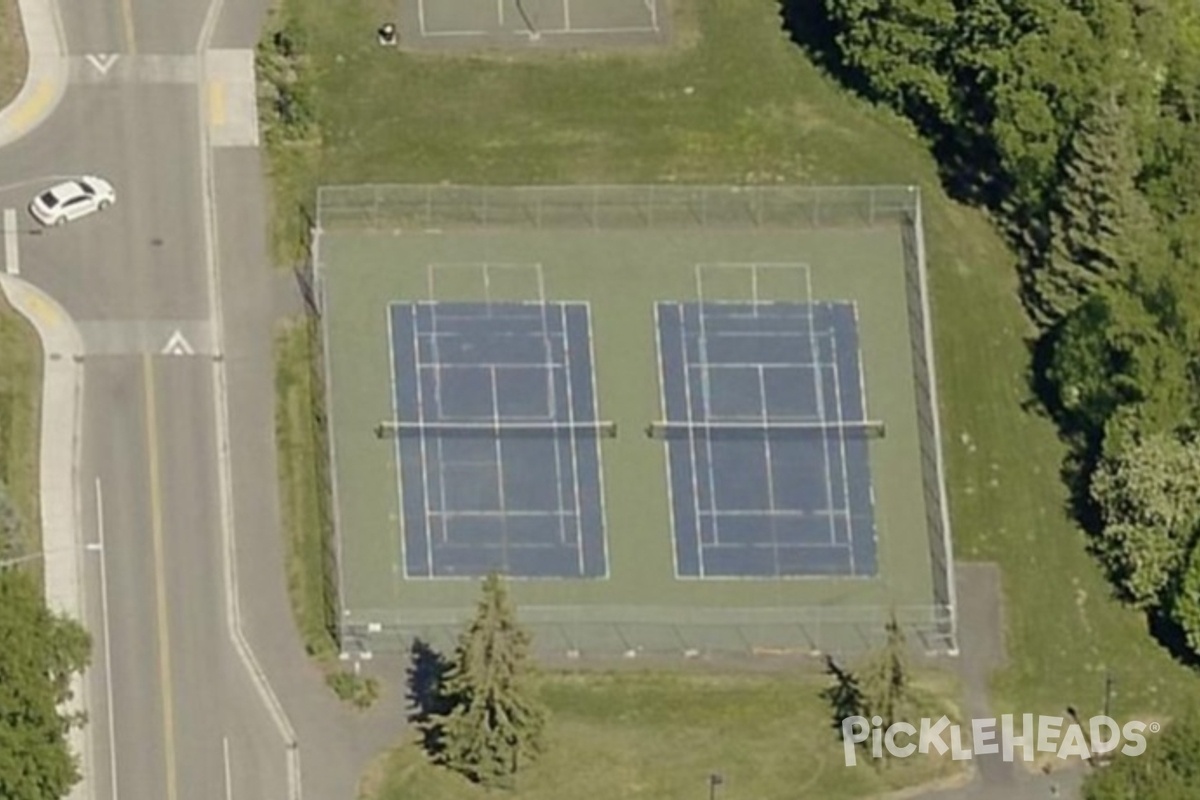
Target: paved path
981, 641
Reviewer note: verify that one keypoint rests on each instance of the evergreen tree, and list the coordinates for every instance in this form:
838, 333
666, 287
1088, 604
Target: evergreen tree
883, 682
1101, 224
495, 725
39, 653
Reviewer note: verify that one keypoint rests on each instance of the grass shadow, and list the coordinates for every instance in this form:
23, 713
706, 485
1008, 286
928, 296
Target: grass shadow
427, 672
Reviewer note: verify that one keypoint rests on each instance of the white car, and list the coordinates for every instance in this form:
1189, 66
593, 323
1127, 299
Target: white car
72, 199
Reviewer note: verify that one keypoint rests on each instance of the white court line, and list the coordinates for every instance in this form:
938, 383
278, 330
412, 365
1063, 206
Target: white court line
499, 367
706, 399
862, 379
108, 684
500, 471
762, 393
440, 445
500, 12
12, 260
421, 17
820, 404
687, 393
662, 414
228, 769
653, 6
510, 512
748, 512
841, 435
566, 14
574, 455
403, 537
587, 306
424, 458
551, 398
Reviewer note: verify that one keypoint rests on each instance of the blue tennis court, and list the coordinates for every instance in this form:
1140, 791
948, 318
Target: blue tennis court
768, 445
497, 440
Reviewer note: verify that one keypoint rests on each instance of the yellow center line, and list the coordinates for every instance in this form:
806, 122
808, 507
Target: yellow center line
160, 585
216, 103
127, 20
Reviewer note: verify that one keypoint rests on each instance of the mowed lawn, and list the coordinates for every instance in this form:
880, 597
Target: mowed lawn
759, 112
658, 737
20, 407
12, 52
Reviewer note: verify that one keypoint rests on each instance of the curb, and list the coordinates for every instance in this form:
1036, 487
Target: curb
46, 78
58, 478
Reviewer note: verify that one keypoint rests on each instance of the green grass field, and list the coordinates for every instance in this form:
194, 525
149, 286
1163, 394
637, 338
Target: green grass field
658, 737
20, 406
761, 112
298, 439
12, 52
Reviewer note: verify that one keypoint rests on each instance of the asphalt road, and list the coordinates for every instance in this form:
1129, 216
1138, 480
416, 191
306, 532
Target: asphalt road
174, 712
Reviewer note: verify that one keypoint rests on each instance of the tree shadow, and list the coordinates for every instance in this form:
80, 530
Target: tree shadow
810, 29
427, 672
1172, 638
969, 164
843, 695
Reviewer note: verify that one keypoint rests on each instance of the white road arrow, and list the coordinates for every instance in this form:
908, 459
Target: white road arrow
177, 345
103, 61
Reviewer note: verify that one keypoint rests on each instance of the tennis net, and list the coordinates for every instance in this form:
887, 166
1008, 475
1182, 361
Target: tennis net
390, 429
766, 428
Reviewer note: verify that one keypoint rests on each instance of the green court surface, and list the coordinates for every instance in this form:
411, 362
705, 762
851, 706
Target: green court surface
620, 261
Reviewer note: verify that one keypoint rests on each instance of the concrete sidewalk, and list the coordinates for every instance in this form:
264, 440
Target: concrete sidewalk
46, 80
58, 478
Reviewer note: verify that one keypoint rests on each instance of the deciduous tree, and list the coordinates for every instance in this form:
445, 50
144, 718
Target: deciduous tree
40, 652
1148, 495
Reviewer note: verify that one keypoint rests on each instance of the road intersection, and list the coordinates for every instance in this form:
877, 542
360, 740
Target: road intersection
172, 300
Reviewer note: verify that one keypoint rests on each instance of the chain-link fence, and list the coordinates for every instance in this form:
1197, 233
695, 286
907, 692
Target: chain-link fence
673, 631
941, 551
382, 207
645, 629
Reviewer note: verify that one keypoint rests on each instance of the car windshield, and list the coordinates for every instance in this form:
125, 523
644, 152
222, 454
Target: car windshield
87, 189
48, 199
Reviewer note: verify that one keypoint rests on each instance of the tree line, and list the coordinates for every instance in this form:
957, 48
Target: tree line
1076, 124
